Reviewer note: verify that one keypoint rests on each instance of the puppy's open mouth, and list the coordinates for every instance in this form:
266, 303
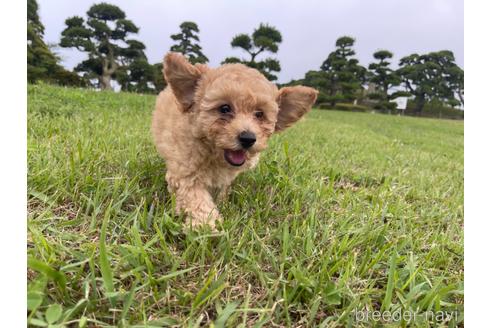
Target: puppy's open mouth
235, 157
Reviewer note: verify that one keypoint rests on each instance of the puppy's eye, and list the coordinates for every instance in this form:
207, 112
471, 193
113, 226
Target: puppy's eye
259, 114
225, 109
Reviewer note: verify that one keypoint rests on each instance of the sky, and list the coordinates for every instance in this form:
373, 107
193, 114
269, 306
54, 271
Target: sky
309, 28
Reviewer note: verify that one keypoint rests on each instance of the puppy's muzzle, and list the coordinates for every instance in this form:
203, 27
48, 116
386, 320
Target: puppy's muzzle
247, 139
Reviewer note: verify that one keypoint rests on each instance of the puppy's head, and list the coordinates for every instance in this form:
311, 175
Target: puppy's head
233, 108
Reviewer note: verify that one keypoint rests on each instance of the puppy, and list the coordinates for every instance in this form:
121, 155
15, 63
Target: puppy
211, 124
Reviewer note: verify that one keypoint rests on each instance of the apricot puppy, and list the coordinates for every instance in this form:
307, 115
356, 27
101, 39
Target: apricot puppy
210, 124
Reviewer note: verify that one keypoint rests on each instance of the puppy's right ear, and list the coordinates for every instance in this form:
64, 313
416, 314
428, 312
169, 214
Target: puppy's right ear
182, 77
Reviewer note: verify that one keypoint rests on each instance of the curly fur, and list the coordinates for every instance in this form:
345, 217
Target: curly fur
191, 134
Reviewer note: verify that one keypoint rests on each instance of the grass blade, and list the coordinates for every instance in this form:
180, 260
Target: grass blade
391, 283
55, 275
225, 314
104, 265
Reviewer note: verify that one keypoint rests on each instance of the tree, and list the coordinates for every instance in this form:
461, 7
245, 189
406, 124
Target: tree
104, 37
384, 78
42, 63
264, 39
343, 73
457, 84
451, 78
33, 20
135, 74
40, 60
158, 80
188, 43
315, 79
432, 76
138, 76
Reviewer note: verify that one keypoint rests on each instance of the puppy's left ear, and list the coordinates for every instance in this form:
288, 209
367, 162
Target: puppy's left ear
293, 103
183, 77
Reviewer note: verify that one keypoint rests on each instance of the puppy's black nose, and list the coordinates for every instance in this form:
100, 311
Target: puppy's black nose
247, 139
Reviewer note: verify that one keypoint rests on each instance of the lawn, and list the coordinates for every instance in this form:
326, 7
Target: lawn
346, 212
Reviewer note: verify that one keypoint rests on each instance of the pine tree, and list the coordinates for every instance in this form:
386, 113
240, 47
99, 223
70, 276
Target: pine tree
344, 74
42, 63
384, 78
188, 43
264, 39
104, 36
432, 77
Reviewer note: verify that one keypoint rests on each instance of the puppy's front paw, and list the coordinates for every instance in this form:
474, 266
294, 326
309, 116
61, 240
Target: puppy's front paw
223, 194
196, 221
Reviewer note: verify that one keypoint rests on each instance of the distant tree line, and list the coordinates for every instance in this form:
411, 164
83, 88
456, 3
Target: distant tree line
432, 77
107, 36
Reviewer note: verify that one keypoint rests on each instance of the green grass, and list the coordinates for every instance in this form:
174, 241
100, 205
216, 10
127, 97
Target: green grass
345, 212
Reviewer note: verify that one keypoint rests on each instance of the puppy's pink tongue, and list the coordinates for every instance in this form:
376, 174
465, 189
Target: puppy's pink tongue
235, 157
